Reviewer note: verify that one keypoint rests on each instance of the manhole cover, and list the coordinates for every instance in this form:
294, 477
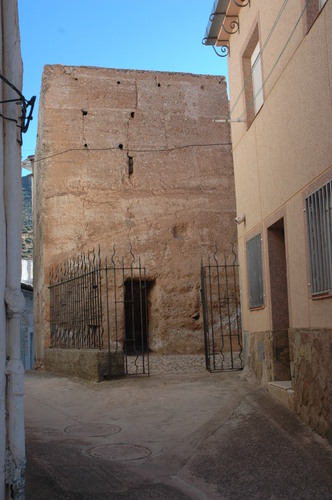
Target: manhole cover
92, 429
120, 452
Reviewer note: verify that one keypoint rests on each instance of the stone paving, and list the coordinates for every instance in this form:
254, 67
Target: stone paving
167, 365
180, 364
175, 436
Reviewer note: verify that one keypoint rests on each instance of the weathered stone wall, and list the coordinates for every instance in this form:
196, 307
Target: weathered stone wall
267, 355
90, 364
134, 157
311, 353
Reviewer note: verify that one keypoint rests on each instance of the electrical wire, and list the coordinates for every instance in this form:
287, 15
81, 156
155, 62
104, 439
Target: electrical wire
12, 86
276, 62
9, 119
249, 77
275, 24
137, 151
250, 104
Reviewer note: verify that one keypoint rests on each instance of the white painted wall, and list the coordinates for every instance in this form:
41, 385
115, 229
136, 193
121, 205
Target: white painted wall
12, 442
27, 272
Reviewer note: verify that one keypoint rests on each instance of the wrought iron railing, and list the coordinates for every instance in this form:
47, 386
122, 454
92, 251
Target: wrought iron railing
221, 313
101, 304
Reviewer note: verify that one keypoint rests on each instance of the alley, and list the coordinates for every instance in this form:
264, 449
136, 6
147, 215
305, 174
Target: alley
174, 436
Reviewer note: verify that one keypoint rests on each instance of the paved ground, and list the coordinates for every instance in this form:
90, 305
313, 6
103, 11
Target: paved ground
170, 436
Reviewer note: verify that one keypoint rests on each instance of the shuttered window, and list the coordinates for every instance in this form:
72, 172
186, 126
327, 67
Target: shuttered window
255, 272
318, 207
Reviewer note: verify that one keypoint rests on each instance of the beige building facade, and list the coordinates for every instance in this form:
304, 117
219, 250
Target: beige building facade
134, 158
280, 80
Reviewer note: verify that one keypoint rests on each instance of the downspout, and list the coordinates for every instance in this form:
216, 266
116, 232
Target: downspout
2, 288
15, 303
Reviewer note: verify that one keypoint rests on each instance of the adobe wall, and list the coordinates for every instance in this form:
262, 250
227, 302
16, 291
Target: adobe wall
133, 157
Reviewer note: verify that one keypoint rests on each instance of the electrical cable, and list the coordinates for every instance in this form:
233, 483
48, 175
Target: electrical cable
137, 151
249, 77
6, 118
276, 62
240, 117
229, 115
11, 85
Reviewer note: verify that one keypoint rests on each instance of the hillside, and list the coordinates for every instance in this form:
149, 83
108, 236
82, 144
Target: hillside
27, 231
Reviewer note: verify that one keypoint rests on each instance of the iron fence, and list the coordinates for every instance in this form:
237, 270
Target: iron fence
101, 304
221, 313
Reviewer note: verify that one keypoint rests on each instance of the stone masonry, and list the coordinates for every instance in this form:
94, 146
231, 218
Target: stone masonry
311, 353
134, 157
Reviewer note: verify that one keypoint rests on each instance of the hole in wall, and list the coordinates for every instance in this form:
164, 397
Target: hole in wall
181, 231
84, 112
132, 114
130, 165
120, 146
118, 82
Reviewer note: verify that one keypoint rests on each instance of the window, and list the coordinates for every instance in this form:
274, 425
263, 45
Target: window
255, 272
318, 207
252, 75
257, 80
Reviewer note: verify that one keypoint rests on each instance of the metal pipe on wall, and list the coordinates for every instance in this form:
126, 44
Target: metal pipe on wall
2, 292
15, 303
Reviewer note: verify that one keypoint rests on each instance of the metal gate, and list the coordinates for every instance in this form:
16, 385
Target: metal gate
102, 305
221, 313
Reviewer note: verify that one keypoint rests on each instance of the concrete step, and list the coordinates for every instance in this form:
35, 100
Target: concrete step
283, 392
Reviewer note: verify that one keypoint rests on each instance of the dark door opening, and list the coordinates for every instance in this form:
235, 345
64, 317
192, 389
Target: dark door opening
136, 312
279, 299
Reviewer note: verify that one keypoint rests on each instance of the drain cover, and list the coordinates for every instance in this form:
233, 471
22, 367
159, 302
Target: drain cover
120, 452
92, 429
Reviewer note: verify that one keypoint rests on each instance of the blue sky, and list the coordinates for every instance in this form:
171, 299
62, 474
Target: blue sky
128, 34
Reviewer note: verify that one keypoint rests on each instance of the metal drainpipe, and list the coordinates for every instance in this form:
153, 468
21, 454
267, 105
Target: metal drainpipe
2, 295
15, 303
